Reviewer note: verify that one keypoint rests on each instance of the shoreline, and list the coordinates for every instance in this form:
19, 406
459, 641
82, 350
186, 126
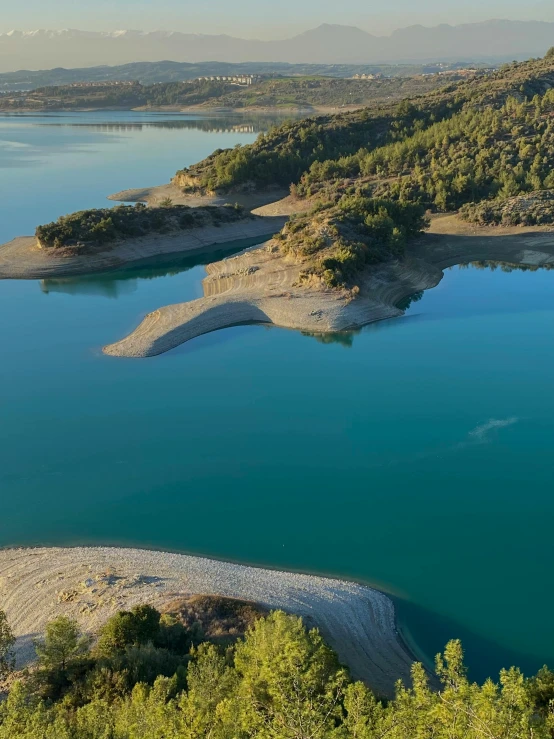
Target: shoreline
91, 583
197, 109
23, 259
262, 286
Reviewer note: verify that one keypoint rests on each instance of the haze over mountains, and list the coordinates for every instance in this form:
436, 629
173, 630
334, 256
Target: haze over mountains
329, 44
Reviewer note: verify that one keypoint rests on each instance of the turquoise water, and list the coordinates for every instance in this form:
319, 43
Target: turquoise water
414, 455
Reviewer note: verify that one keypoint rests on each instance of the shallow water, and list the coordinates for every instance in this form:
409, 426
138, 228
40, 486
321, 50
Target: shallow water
414, 454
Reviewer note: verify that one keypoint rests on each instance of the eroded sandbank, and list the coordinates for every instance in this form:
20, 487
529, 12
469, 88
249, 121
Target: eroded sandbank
263, 286
92, 583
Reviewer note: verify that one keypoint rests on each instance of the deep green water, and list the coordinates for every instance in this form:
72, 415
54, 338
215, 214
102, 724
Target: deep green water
415, 455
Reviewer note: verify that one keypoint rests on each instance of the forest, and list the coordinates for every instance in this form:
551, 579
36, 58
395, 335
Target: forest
507, 108
484, 146
148, 675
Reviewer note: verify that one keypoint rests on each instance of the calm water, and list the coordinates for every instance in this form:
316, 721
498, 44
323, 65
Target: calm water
415, 454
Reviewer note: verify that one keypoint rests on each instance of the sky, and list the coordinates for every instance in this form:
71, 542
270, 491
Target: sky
259, 18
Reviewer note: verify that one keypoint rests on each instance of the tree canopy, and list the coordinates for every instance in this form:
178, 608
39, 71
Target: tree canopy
281, 681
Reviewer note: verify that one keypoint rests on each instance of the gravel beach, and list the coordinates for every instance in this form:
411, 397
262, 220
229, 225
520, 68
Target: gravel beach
91, 583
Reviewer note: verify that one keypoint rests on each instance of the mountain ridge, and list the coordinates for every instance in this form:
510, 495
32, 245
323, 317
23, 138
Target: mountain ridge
495, 39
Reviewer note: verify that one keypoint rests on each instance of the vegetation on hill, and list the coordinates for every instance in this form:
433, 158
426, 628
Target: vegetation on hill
473, 154
412, 130
487, 139
149, 677
284, 153
107, 225
148, 73
533, 209
336, 240
291, 92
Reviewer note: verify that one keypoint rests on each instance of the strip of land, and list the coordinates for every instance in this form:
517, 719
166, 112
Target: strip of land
264, 286
24, 258
90, 584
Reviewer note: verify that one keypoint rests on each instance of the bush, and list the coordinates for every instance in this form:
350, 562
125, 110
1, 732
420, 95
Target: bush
107, 225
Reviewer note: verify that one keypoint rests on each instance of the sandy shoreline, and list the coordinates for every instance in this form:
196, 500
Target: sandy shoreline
91, 583
23, 259
262, 286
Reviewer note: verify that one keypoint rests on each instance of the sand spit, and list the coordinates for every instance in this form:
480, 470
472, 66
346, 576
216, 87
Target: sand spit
90, 584
22, 258
262, 286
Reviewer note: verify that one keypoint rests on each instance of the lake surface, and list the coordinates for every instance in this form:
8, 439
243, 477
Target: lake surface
414, 455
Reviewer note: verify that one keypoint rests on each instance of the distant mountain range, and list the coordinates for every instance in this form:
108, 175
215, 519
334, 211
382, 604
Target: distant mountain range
492, 40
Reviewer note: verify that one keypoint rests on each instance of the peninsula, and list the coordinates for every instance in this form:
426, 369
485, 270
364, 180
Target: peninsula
105, 239
366, 222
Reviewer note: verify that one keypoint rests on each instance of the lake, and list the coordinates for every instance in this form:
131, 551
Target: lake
414, 455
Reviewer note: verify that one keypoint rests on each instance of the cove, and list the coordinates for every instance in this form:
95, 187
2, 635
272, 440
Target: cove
413, 455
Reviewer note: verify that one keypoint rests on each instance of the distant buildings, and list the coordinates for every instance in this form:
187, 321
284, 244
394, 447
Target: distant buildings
103, 83
243, 79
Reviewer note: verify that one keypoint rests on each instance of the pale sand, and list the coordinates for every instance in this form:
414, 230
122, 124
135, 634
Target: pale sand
262, 286
22, 258
90, 584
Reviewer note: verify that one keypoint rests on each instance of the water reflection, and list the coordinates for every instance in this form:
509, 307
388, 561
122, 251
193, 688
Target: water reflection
344, 338
218, 124
405, 303
504, 266
124, 281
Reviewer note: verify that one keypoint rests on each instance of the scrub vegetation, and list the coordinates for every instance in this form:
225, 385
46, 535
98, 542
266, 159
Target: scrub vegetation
107, 225
148, 676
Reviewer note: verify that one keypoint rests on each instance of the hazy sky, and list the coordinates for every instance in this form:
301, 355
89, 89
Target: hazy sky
259, 18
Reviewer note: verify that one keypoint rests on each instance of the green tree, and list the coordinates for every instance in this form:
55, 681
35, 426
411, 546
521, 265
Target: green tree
7, 643
62, 644
138, 626
291, 683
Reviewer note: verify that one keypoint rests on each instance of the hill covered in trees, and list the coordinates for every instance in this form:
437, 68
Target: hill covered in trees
293, 92
486, 140
338, 142
153, 676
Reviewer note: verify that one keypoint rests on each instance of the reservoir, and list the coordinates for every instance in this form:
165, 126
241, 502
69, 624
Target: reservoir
414, 455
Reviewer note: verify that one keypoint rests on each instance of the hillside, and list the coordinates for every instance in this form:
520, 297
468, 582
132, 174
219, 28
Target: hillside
292, 92
369, 176
147, 73
393, 136
153, 675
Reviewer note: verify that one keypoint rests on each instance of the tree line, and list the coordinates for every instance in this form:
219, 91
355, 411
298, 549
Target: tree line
148, 677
